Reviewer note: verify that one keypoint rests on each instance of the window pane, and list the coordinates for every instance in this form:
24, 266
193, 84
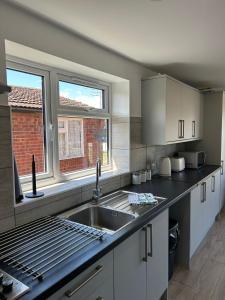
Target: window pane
81, 141
27, 102
79, 96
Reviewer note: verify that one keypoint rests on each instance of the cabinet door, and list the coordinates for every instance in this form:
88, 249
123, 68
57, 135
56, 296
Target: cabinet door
93, 283
187, 111
209, 205
157, 267
215, 187
222, 187
197, 211
197, 120
130, 268
173, 109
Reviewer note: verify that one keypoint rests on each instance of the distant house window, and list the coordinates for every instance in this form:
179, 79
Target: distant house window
70, 135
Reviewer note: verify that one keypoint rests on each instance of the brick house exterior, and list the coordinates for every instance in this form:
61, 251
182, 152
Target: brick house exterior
28, 137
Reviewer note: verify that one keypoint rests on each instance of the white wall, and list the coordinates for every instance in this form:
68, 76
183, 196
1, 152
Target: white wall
26, 29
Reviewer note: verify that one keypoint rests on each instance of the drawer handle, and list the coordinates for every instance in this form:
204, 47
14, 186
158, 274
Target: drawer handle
97, 270
100, 298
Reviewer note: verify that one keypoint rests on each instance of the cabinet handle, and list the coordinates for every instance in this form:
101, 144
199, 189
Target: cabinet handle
179, 129
193, 128
213, 183
99, 298
97, 270
145, 258
222, 167
203, 192
183, 129
150, 253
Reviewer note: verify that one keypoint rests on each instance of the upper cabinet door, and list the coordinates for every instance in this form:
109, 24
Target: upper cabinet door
187, 111
173, 111
196, 122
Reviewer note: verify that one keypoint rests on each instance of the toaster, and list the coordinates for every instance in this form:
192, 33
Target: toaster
177, 164
193, 159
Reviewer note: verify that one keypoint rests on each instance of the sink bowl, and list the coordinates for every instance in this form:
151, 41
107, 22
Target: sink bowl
101, 218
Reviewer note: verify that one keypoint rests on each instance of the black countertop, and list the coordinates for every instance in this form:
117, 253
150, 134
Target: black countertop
173, 188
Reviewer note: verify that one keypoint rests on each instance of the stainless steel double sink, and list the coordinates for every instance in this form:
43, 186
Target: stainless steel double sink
111, 214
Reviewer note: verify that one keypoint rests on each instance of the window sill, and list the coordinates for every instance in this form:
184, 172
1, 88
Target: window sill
53, 191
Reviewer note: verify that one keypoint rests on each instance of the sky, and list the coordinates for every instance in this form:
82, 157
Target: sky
87, 95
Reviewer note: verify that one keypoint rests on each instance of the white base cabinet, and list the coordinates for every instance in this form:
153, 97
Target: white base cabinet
95, 283
130, 268
141, 262
204, 207
136, 269
157, 267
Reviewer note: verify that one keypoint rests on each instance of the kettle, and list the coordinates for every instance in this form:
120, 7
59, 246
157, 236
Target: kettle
165, 166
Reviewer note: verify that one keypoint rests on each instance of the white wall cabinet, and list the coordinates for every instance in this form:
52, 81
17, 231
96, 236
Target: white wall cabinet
141, 262
204, 207
171, 111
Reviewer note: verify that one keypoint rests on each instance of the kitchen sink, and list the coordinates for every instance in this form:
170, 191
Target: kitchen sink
102, 218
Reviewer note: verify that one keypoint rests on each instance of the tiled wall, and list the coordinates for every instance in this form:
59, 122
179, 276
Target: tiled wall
6, 171
143, 156
64, 200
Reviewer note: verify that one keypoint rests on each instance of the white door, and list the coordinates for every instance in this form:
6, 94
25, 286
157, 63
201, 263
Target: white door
197, 211
215, 194
187, 111
209, 205
196, 121
173, 111
130, 267
222, 190
157, 269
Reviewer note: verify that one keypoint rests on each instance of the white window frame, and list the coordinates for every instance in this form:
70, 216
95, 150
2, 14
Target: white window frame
71, 111
53, 109
47, 114
66, 131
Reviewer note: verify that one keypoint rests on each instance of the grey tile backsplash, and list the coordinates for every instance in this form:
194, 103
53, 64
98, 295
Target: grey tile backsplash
128, 154
143, 156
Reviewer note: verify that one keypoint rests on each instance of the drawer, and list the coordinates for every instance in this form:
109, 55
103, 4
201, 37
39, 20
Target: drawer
94, 283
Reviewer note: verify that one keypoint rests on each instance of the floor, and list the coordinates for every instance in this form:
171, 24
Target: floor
206, 278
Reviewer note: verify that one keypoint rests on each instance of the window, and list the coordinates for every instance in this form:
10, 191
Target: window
61, 119
79, 96
83, 126
28, 102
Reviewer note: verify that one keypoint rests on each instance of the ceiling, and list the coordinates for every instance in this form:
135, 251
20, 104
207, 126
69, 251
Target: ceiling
183, 38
